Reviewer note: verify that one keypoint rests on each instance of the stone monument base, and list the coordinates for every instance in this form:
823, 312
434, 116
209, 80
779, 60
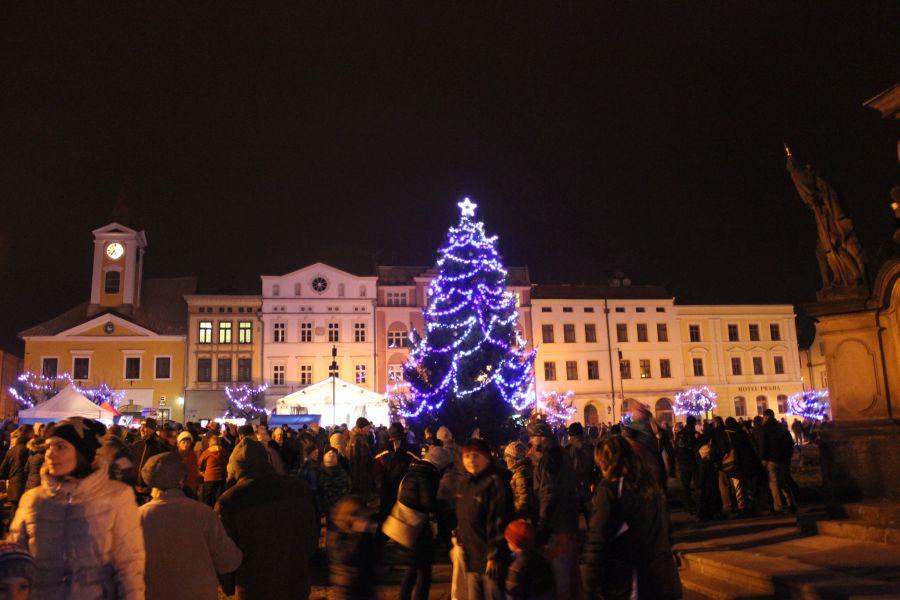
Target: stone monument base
860, 460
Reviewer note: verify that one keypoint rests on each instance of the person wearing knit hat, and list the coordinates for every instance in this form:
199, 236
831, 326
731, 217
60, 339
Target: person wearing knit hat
17, 571
439, 456
335, 481
14, 468
79, 511
522, 481
185, 445
394, 463
530, 575
204, 549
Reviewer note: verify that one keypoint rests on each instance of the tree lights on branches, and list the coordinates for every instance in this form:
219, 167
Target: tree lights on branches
470, 350
695, 401
246, 401
34, 388
557, 408
809, 404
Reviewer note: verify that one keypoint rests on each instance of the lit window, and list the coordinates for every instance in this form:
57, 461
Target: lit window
398, 338
305, 374
306, 332
645, 369
278, 332
359, 332
133, 367
569, 333
360, 374
224, 332
694, 332
571, 370
205, 332
334, 332
395, 372
277, 374
782, 404
245, 332
549, 371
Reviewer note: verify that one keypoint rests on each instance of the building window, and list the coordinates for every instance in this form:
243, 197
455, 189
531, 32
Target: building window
278, 332
698, 367
204, 370
625, 369
547, 334
395, 372
205, 332
224, 332
571, 370
569, 333
396, 298
782, 404
305, 374
642, 332
754, 332
277, 374
645, 368
779, 365
775, 332
245, 369
740, 406
593, 368
132, 367
549, 371
660, 309
81, 368
112, 282
665, 368
567, 309
733, 334
694, 333
306, 332
163, 368
223, 369
762, 404
334, 332
757, 365
245, 332
360, 374
590, 333
398, 339
621, 332
297, 289
736, 367
588, 309
546, 309
359, 332
50, 367
662, 332
276, 290
620, 309
341, 290
362, 291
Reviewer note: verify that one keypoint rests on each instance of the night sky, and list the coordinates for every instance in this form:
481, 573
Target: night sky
595, 137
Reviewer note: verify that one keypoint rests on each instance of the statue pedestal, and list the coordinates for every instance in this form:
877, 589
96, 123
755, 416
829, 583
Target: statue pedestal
860, 461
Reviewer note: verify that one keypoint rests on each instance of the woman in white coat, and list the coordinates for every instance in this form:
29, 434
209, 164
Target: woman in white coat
82, 528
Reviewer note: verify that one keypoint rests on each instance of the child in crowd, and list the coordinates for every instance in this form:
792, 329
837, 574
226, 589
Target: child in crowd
17, 572
212, 463
334, 482
530, 576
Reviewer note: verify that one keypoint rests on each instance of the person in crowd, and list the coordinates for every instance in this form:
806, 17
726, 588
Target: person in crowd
709, 504
318, 434
688, 467
557, 516
628, 540
776, 450
483, 511
351, 551
392, 465
530, 575
738, 465
185, 444
149, 445
418, 491
118, 454
203, 548
36, 448
82, 528
522, 481
360, 455
272, 520
14, 470
334, 482
169, 434
211, 464
640, 434
262, 436
283, 446
338, 441
17, 572
311, 472
581, 456
430, 439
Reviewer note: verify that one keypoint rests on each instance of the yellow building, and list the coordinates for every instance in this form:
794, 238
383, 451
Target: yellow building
130, 335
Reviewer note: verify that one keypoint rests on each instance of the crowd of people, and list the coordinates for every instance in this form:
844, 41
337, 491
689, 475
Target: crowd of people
187, 511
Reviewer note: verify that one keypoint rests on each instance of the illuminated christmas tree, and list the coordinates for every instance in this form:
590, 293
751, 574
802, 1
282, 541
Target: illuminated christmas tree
695, 401
470, 368
33, 388
556, 408
809, 404
246, 402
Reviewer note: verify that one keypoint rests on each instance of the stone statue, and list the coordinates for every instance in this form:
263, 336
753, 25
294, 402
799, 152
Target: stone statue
838, 250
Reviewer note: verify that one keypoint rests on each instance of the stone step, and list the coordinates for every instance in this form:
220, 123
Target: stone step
728, 568
877, 513
864, 531
714, 588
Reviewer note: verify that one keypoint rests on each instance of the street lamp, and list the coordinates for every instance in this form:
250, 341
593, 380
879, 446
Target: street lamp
333, 370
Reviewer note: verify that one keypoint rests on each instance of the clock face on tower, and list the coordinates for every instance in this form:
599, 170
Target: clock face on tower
115, 250
319, 284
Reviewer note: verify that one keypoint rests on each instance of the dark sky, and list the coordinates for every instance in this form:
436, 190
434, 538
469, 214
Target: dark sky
595, 138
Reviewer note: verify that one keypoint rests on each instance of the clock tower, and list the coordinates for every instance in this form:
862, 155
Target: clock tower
118, 265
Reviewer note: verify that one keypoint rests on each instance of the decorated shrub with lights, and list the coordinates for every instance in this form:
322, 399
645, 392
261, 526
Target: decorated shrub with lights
32, 388
246, 402
470, 367
695, 401
556, 408
809, 404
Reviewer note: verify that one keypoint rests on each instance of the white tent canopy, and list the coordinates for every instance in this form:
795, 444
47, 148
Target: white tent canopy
67, 403
352, 402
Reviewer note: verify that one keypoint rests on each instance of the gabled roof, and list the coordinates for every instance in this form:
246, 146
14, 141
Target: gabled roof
596, 292
405, 275
162, 310
318, 265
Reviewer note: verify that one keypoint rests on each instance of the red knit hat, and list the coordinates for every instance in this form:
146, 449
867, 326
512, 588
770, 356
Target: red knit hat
520, 533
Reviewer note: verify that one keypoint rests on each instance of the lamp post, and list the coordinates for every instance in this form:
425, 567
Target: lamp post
333, 369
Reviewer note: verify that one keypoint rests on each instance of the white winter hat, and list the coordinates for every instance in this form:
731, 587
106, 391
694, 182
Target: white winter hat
444, 434
439, 456
185, 435
516, 450
331, 458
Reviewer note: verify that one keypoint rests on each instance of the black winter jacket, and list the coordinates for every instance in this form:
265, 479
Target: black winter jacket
13, 469
483, 510
555, 493
419, 487
530, 577
522, 484
393, 465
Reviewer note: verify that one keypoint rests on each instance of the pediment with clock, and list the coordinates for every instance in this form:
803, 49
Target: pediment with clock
317, 280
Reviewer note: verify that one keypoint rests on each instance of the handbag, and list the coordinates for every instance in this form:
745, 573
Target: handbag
404, 524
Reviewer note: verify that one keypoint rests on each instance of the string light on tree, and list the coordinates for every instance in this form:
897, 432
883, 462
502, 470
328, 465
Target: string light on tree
33, 388
695, 401
246, 401
557, 408
809, 404
470, 363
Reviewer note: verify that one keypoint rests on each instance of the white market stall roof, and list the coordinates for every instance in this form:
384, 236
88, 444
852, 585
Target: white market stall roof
352, 402
67, 403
